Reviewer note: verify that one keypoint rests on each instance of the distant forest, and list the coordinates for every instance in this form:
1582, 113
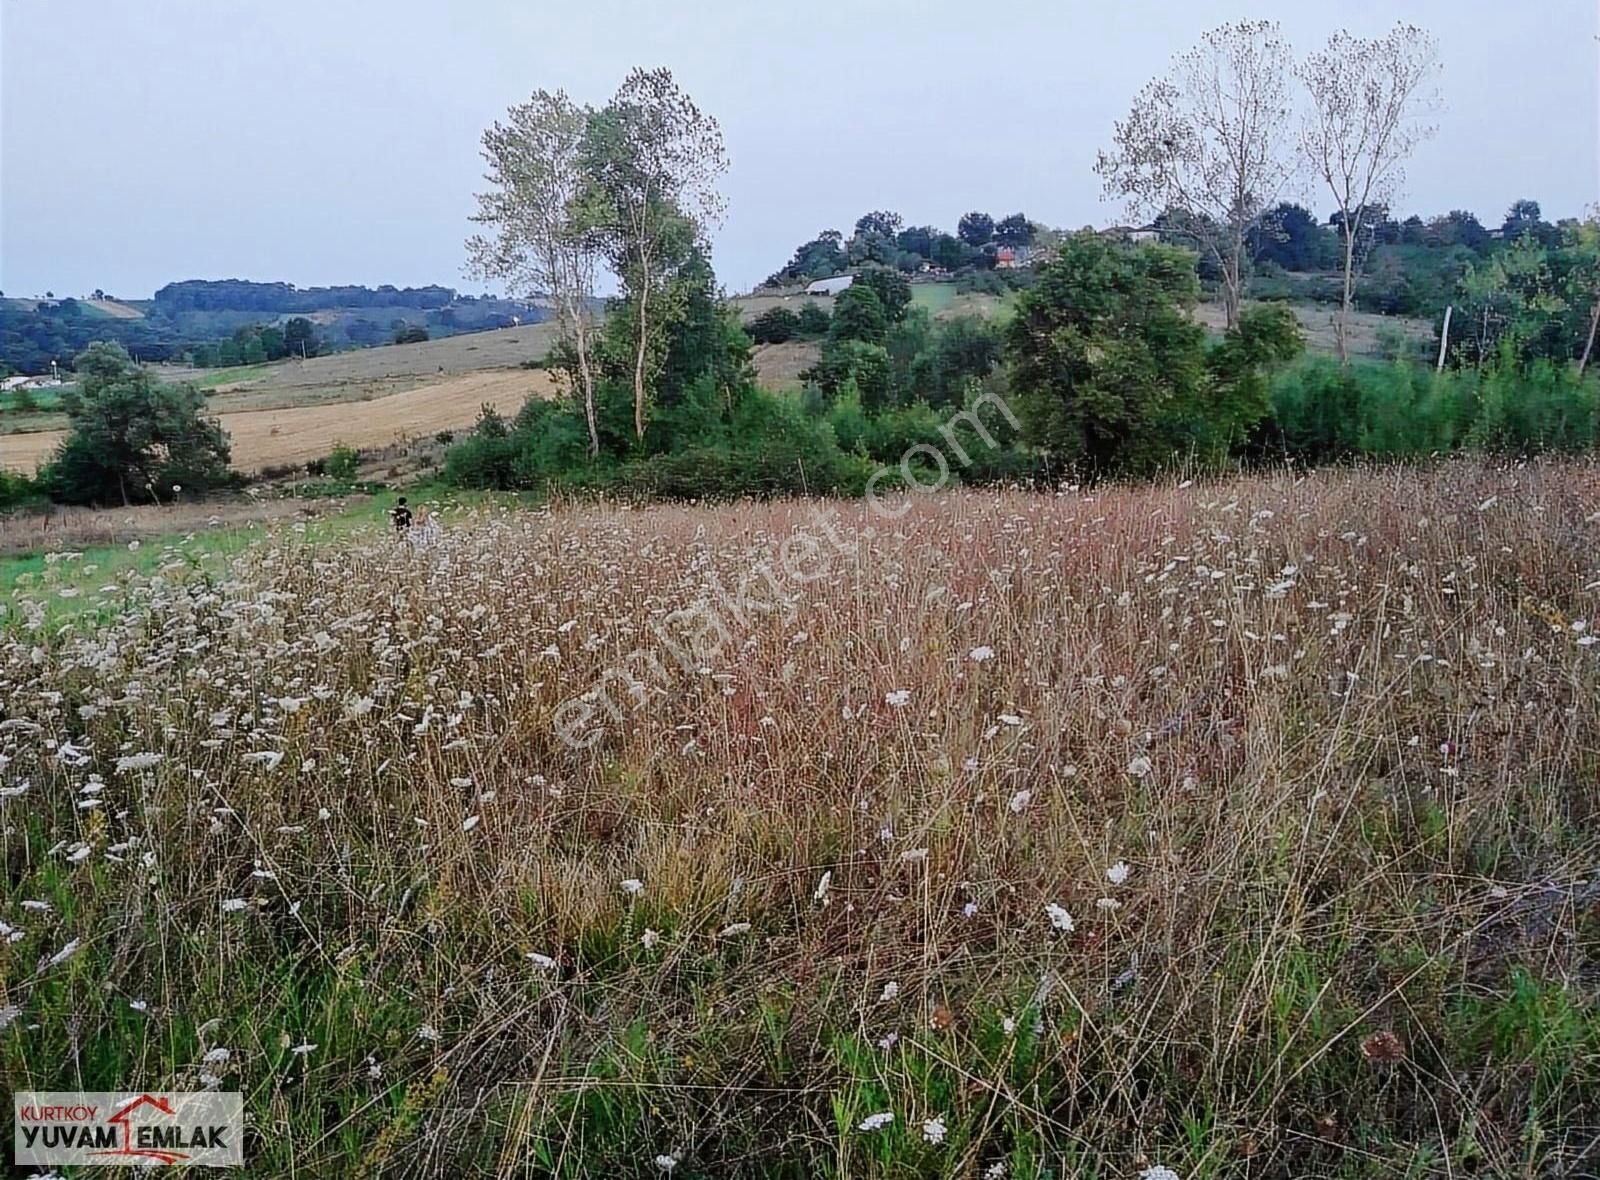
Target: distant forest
236, 321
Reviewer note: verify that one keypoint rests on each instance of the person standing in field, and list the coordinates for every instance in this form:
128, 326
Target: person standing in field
400, 515
426, 530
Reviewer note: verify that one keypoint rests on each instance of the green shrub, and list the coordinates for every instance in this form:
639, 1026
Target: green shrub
774, 326
17, 489
343, 463
812, 321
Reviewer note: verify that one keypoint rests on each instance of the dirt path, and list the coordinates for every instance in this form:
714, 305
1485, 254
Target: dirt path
274, 438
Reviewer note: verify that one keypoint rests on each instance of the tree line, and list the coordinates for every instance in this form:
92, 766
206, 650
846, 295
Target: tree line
881, 238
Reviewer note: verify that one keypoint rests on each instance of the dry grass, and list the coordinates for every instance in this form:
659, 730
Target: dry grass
1317, 322
1342, 730
284, 437
778, 366
61, 527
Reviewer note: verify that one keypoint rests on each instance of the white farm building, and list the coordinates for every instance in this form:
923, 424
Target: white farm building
830, 286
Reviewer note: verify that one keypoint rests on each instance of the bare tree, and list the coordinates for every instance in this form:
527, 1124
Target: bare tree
1370, 100
542, 245
1213, 140
654, 158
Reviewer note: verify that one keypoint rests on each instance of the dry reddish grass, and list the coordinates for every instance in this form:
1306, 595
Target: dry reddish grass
1342, 729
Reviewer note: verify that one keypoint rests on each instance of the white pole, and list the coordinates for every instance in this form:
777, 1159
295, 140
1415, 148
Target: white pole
1444, 337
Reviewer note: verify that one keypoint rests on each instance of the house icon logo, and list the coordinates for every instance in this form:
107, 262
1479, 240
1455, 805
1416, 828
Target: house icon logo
137, 1129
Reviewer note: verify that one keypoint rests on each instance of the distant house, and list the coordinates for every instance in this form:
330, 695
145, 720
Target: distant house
1005, 258
830, 286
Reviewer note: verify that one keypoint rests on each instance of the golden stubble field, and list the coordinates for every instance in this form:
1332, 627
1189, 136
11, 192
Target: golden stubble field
1234, 828
297, 434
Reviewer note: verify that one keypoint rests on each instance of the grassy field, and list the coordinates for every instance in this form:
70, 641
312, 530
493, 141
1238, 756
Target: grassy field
1241, 829
271, 438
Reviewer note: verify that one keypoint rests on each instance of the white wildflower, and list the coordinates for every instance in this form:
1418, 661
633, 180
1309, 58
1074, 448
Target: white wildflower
217, 1056
232, 905
1140, 766
1159, 1173
1059, 917
820, 895
302, 1049
979, 655
65, 953
649, 939
890, 991
735, 930
134, 763
1019, 802
471, 822
933, 1130
898, 699
633, 887
876, 1122
543, 962
1118, 873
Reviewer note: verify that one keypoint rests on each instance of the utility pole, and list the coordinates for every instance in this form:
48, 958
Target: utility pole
1444, 337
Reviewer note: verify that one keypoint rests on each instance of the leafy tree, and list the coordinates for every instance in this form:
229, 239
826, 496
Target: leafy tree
867, 365
131, 438
812, 320
300, 337
1210, 139
774, 326
1103, 352
975, 229
653, 158
880, 223
891, 287
1526, 217
962, 350
1015, 231
918, 240
543, 225
858, 315
819, 258
1459, 228
951, 252
1290, 236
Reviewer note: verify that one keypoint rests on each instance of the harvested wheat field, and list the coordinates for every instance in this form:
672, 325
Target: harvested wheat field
1246, 828
284, 437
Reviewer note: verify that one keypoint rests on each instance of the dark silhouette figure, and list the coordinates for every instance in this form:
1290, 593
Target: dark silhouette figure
400, 515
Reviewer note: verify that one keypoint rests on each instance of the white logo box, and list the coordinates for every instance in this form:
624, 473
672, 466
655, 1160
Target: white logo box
133, 1128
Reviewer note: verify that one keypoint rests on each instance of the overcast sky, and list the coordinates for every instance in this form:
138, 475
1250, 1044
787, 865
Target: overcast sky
336, 142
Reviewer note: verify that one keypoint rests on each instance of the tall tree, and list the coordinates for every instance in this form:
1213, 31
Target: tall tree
975, 229
654, 158
1211, 139
1370, 99
132, 438
1015, 231
543, 244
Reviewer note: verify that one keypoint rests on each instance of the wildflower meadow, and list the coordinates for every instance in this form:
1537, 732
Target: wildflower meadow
1236, 827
